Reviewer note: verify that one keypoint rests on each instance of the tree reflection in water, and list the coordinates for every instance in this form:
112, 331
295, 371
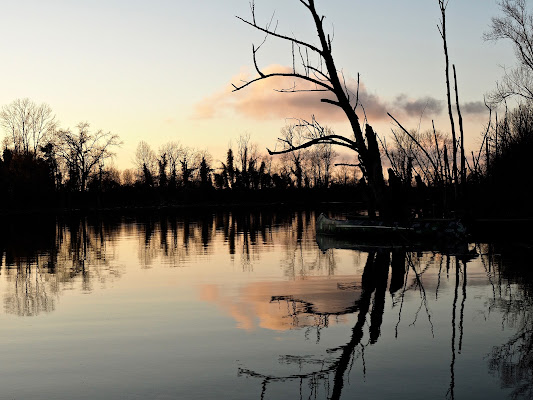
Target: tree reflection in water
329, 378
40, 260
406, 270
513, 296
178, 239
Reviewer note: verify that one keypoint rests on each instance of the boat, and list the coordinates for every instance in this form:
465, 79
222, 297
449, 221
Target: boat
368, 229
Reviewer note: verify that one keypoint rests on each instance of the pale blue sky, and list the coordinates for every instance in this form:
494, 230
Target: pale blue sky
140, 68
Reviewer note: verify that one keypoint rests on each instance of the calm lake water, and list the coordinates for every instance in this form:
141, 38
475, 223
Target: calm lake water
254, 306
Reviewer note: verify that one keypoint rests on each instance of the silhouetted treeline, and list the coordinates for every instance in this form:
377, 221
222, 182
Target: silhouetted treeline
501, 186
51, 173
496, 180
175, 176
25, 181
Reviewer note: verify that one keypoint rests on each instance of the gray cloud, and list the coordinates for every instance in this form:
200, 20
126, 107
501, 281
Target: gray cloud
474, 107
416, 107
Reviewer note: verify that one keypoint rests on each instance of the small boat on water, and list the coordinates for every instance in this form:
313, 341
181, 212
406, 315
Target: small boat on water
458, 248
435, 229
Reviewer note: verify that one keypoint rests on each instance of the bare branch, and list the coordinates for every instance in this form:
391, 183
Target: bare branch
347, 165
416, 142
330, 139
281, 74
284, 37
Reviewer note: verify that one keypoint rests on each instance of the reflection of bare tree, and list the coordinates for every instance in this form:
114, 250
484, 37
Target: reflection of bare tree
326, 376
30, 295
451, 389
329, 378
301, 258
173, 239
176, 238
513, 361
62, 254
86, 249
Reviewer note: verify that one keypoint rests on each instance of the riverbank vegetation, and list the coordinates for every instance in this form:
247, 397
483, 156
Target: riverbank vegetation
173, 175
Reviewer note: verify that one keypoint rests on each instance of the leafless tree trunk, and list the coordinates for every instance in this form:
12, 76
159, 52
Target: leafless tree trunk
462, 143
325, 76
442, 29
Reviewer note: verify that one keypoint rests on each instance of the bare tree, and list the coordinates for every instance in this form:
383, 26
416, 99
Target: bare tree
515, 25
145, 161
442, 29
324, 75
344, 175
247, 151
144, 155
202, 163
27, 124
173, 152
293, 136
188, 165
128, 177
84, 151
322, 158
247, 156
407, 157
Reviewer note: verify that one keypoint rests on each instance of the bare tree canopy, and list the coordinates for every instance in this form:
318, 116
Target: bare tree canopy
293, 136
28, 125
515, 25
84, 151
173, 151
145, 157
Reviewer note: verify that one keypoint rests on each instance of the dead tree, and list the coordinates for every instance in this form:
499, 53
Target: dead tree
462, 142
325, 77
442, 29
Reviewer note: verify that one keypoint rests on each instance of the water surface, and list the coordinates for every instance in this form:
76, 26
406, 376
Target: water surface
254, 306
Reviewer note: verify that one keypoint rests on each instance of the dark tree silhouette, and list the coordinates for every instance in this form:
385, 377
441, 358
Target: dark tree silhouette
205, 174
25, 181
85, 151
442, 30
162, 163
325, 76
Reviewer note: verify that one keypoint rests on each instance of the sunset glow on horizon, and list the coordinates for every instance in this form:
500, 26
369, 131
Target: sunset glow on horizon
162, 71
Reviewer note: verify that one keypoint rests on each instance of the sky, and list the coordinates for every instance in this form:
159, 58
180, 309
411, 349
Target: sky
162, 70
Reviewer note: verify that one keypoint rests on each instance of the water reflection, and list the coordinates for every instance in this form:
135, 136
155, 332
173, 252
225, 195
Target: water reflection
366, 299
42, 256
348, 309
40, 260
512, 361
400, 272
179, 239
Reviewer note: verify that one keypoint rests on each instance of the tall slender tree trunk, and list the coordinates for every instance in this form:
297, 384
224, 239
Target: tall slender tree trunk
448, 93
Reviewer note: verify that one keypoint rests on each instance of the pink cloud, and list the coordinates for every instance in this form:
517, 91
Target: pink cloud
261, 101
